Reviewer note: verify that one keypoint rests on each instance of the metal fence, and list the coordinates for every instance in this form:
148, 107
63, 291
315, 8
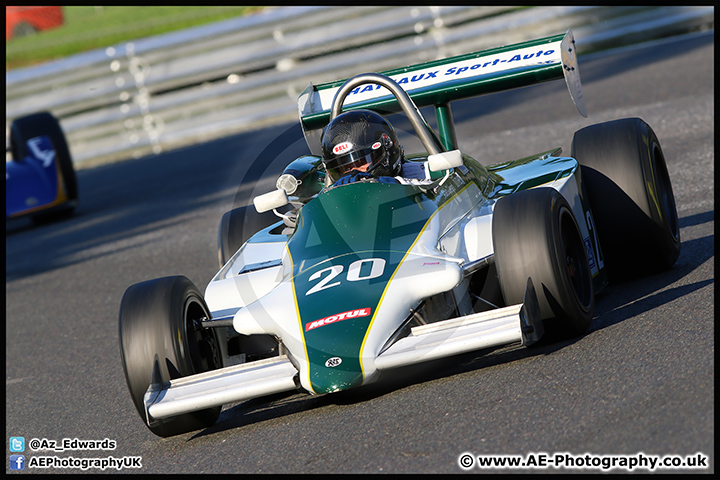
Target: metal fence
198, 84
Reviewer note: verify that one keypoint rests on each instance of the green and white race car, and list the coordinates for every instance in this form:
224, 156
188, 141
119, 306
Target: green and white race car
324, 284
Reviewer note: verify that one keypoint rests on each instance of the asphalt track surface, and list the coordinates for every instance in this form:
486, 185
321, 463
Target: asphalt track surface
640, 381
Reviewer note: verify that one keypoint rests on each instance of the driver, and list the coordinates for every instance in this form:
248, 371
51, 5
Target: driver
362, 145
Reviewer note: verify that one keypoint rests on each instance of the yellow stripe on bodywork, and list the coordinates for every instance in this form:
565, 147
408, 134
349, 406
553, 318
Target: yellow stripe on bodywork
297, 313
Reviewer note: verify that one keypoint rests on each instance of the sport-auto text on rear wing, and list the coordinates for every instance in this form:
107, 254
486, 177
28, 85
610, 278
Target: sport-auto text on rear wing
442, 81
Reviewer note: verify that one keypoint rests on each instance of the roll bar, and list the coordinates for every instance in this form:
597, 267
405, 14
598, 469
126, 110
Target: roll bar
424, 131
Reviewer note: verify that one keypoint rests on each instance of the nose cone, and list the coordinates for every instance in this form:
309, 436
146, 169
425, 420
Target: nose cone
336, 374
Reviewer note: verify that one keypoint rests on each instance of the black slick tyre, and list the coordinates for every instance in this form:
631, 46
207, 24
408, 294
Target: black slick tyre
535, 235
626, 179
159, 328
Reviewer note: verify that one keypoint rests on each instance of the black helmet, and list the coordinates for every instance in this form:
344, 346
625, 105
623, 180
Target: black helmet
363, 140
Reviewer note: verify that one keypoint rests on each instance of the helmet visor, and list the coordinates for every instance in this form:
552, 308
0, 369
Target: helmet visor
360, 159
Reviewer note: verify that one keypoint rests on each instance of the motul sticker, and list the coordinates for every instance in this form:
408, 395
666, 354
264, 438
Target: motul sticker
342, 147
360, 312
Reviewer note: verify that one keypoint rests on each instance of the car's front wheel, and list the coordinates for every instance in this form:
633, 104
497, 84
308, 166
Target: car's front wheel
159, 330
535, 235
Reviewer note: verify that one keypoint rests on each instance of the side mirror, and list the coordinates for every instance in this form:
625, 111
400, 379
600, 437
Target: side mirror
271, 200
445, 160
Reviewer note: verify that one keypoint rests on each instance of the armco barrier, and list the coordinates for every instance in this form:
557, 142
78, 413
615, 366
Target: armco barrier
202, 83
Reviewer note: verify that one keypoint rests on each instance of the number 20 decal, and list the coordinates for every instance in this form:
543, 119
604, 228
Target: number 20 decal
353, 275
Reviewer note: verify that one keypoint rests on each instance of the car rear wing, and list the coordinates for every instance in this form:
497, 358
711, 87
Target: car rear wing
442, 81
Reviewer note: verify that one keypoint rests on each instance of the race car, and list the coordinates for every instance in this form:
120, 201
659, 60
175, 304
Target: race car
326, 285
40, 179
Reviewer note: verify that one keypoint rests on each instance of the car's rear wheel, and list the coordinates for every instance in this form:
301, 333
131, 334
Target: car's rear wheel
535, 235
624, 173
39, 124
237, 226
159, 329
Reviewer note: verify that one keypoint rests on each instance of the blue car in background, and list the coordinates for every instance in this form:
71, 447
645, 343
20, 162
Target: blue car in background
40, 179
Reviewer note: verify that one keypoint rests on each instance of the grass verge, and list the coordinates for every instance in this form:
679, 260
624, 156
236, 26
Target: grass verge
87, 27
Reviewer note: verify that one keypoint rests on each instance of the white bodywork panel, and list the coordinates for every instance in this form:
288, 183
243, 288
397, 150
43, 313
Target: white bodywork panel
230, 290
